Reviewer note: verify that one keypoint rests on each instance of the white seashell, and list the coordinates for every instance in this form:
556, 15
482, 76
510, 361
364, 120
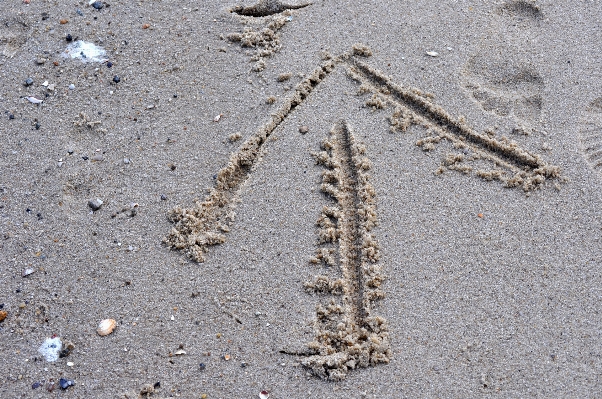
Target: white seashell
180, 352
264, 395
34, 100
106, 327
217, 118
432, 53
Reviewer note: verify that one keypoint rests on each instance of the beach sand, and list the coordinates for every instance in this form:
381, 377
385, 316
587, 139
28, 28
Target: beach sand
470, 132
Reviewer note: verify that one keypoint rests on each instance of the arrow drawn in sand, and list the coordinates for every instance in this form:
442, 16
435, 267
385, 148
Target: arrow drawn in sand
347, 334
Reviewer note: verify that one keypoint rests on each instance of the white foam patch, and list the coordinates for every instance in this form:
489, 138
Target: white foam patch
86, 51
50, 349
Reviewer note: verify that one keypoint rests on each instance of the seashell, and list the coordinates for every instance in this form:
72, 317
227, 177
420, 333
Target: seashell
106, 327
264, 395
180, 352
432, 53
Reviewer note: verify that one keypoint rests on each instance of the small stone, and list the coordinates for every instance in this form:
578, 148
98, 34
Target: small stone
95, 204
3, 314
41, 61
98, 5
202, 366
69, 38
27, 272
303, 129
63, 21
36, 385
79, 12
65, 383
51, 87
109, 64
71, 86
432, 53
70, 364
163, 197
97, 158
116, 79
50, 386
126, 161
28, 82
11, 116
145, 26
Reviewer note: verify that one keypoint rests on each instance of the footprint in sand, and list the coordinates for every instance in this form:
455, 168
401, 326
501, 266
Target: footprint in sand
500, 76
590, 134
14, 33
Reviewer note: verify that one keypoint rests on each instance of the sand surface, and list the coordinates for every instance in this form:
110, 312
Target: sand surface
481, 162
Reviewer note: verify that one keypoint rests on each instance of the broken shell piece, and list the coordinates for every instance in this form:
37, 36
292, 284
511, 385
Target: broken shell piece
226, 357
3, 314
106, 327
34, 100
432, 53
264, 395
217, 118
27, 272
180, 352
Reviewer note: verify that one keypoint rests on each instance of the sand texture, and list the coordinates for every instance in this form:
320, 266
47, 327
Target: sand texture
315, 199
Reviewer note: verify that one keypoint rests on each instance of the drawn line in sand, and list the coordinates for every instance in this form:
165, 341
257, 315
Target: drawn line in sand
348, 336
522, 168
198, 228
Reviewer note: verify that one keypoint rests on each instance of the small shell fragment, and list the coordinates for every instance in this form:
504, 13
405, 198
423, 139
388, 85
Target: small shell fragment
217, 118
432, 53
34, 100
226, 357
106, 327
3, 314
180, 352
27, 272
264, 395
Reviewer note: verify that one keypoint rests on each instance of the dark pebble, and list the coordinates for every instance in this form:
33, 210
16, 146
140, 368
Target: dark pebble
116, 79
163, 197
36, 385
79, 12
157, 385
243, 365
95, 204
45, 16
202, 366
98, 5
69, 38
85, 158
11, 116
175, 96
38, 125
109, 64
65, 383
28, 82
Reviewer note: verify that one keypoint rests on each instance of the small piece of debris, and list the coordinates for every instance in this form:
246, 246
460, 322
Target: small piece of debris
71, 86
3, 315
63, 21
303, 129
264, 395
69, 38
163, 197
116, 79
226, 357
28, 82
41, 61
34, 100
234, 137
36, 385
95, 204
432, 53
270, 100
180, 352
27, 272
97, 4
145, 26
65, 383
218, 117
202, 366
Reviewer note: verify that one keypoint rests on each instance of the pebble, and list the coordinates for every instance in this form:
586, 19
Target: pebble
27, 272
303, 129
28, 82
98, 5
69, 38
3, 314
71, 86
163, 197
432, 53
65, 383
126, 161
79, 12
36, 385
95, 204
11, 116
202, 366
116, 79
41, 61
70, 364
109, 64
97, 158
50, 386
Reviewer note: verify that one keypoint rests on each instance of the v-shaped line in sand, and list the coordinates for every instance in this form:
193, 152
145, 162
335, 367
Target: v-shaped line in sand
347, 335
